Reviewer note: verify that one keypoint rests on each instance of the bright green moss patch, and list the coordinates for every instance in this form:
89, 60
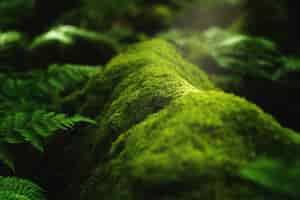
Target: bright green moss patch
192, 149
137, 83
134, 85
152, 68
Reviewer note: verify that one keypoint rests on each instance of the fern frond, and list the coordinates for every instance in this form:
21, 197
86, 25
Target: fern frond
27, 100
62, 78
36, 127
12, 188
43, 87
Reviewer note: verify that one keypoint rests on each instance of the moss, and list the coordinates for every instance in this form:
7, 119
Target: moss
166, 134
137, 83
141, 68
68, 44
192, 149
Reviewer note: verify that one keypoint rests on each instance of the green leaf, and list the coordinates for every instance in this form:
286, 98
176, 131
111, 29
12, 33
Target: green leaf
276, 175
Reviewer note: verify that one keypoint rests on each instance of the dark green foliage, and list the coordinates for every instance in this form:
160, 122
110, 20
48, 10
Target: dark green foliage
5, 156
14, 12
35, 127
98, 15
164, 129
275, 20
42, 87
12, 188
141, 17
276, 175
12, 45
69, 44
256, 57
231, 51
28, 109
252, 67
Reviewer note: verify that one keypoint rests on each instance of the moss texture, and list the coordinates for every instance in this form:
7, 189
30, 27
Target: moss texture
165, 132
192, 149
135, 84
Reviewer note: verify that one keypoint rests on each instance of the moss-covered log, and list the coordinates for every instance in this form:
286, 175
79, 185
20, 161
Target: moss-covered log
165, 132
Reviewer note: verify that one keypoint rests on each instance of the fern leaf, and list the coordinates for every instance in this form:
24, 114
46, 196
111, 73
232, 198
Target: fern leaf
26, 99
32, 138
12, 188
43, 87
36, 127
277, 175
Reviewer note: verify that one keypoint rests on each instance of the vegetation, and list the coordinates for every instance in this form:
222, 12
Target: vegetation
12, 188
142, 99
206, 138
28, 101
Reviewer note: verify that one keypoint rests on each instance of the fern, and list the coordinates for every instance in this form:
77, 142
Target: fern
69, 76
33, 128
43, 87
12, 188
29, 101
234, 52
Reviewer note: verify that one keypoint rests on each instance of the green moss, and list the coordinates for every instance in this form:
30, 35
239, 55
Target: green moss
68, 44
166, 134
145, 69
186, 150
137, 83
